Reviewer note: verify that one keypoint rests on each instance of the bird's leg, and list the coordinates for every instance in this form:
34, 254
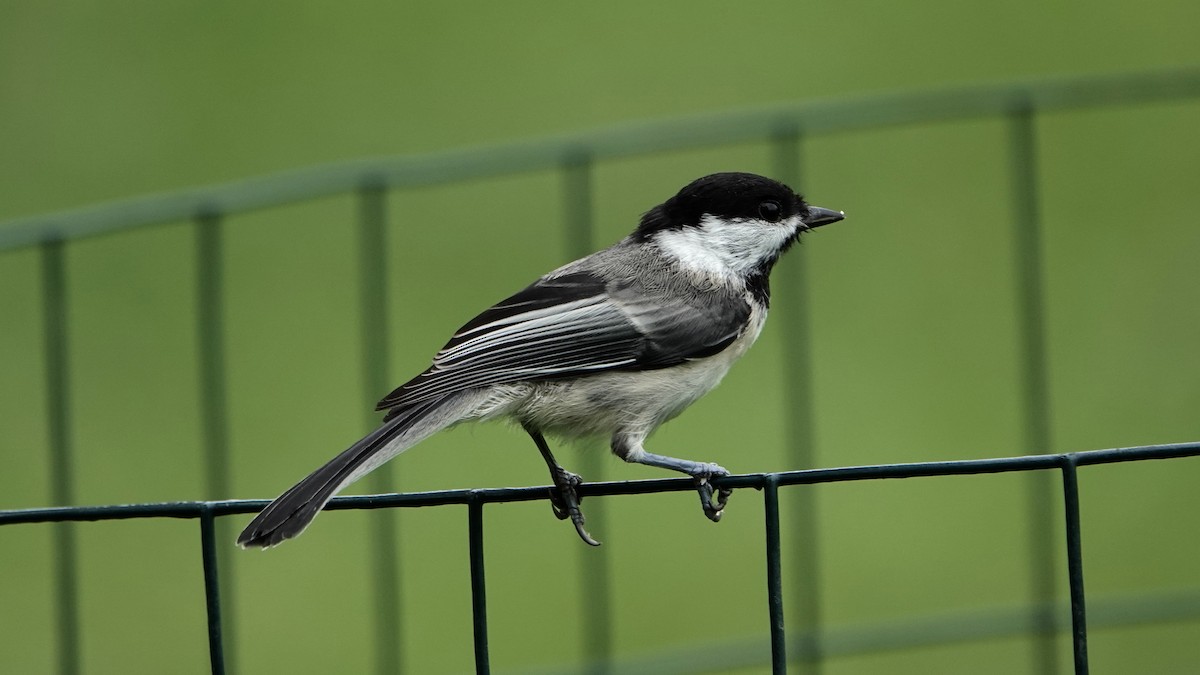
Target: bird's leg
701, 472
565, 499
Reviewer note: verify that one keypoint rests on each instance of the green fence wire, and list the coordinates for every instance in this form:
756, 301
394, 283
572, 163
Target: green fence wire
786, 128
1066, 464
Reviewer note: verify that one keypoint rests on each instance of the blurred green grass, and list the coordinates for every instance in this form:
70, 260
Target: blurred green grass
911, 300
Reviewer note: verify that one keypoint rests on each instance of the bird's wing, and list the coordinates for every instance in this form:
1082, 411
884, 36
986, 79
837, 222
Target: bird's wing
576, 324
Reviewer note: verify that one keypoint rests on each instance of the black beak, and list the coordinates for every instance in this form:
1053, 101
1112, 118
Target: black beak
818, 216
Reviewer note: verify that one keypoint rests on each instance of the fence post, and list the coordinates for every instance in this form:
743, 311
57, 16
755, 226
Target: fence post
787, 146
595, 578
1035, 398
372, 293
62, 486
210, 345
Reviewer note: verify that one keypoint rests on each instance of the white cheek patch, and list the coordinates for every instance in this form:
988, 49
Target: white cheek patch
723, 247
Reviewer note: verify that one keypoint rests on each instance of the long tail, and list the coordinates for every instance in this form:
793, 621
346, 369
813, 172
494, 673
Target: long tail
292, 511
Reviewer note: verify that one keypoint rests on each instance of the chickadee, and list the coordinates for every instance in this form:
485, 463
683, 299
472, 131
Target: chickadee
610, 345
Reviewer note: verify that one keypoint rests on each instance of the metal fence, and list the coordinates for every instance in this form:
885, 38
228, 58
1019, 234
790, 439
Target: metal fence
785, 128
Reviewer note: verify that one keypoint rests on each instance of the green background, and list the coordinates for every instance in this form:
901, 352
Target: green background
912, 308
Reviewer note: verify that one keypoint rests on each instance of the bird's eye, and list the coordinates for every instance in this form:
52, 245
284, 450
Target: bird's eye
769, 211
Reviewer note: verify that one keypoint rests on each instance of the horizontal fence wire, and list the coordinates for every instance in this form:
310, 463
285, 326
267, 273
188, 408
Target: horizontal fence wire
467, 496
475, 499
814, 117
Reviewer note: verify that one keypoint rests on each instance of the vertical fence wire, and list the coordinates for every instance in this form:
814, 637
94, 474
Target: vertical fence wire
1070, 480
774, 576
478, 587
62, 480
212, 590
594, 573
786, 149
1034, 386
372, 288
214, 421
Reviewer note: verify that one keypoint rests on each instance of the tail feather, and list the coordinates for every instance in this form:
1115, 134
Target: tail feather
295, 509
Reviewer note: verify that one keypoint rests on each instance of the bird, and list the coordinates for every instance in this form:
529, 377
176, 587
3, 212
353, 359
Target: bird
611, 345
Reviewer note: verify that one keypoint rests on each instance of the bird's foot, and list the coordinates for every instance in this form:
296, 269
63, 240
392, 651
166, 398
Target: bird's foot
703, 477
564, 500
563, 497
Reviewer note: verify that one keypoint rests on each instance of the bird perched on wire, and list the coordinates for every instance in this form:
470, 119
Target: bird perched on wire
611, 345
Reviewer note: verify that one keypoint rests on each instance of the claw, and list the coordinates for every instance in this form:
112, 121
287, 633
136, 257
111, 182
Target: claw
583, 534
723, 495
565, 503
559, 505
712, 510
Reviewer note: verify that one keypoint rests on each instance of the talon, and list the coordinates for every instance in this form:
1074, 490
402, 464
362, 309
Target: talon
713, 511
583, 534
565, 503
560, 501
558, 505
563, 494
723, 495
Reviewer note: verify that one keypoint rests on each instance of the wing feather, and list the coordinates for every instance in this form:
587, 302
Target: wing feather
573, 325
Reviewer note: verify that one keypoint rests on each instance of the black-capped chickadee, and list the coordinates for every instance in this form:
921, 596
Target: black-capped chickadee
611, 345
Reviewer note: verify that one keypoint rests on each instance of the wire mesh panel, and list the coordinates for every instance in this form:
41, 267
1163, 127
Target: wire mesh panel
769, 484
787, 130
